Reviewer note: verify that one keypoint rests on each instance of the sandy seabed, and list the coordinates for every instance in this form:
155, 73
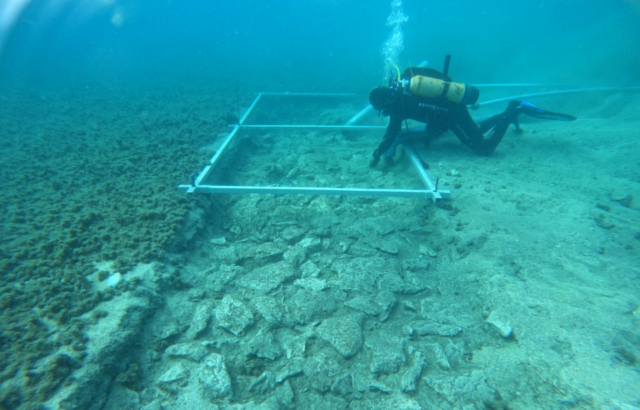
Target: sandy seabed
520, 292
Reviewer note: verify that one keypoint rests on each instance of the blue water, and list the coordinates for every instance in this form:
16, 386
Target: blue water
317, 44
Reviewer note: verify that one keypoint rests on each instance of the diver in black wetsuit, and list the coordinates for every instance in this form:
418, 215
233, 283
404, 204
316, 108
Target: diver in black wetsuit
428, 96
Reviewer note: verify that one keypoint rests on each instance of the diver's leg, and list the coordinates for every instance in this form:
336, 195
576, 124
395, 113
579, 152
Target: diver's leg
471, 135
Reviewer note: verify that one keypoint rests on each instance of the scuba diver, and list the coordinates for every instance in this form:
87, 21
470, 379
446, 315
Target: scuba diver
429, 96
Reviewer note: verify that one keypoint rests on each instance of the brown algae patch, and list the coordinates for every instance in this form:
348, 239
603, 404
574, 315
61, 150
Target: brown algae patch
84, 179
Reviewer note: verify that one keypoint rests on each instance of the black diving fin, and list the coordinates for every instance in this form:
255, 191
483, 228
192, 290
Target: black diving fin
527, 108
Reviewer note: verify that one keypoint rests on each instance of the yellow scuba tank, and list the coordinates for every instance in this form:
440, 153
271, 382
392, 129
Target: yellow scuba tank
432, 87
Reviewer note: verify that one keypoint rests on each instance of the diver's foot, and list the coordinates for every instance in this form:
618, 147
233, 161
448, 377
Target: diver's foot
527, 108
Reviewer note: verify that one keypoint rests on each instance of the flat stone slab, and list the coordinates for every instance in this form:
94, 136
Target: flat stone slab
343, 333
387, 353
233, 315
364, 303
193, 352
267, 278
175, 378
424, 328
269, 308
214, 377
312, 284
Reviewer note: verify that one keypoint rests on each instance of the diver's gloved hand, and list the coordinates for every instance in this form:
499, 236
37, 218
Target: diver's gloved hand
525, 107
374, 161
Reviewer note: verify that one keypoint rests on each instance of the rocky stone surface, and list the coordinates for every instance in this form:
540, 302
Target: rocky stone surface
233, 315
214, 378
190, 351
424, 328
462, 389
270, 309
201, 318
343, 333
387, 353
267, 278
263, 345
175, 378
321, 370
312, 284
498, 320
412, 375
365, 303
307, 306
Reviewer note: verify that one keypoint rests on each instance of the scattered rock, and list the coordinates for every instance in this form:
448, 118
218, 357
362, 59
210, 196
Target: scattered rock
307, 306
188, 351
214, 378
500, 322
424, 328
175, 378
386, 300
343, 333
293, 345
263, 346
267, 278
343, 386
169, 331
410, 377
392, 282
284, 395
201, 318
154, 405
263, 384
387, 246
221, 276
624, 200
415, 265
311, 245
309, 270
219, 241
450, 313
196, 295
292, 234
463, 389
267, 253
312, 284
321, 371
365, 303
269, 308
387, 353
292, 368
228, 256
233, 315
295, 255
601, 221
440, 356
358, 274
427, 251
379, 386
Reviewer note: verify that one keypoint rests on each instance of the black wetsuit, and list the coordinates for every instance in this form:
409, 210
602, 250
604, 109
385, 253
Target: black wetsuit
441, 115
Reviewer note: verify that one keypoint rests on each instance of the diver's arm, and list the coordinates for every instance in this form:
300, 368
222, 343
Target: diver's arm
394, 127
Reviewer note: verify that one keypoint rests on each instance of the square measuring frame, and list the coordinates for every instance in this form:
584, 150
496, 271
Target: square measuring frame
430, 192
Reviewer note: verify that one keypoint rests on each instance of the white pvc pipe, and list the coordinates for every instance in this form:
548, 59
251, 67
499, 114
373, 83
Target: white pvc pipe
546, 93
